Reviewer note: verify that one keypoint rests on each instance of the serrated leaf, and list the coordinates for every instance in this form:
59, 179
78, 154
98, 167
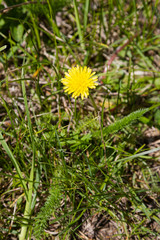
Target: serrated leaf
120, 124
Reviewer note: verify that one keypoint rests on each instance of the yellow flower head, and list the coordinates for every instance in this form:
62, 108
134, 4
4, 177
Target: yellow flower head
78, 80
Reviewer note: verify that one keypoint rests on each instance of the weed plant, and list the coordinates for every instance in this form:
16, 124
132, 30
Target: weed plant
80, 169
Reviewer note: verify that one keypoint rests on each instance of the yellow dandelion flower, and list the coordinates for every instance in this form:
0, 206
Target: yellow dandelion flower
78, 80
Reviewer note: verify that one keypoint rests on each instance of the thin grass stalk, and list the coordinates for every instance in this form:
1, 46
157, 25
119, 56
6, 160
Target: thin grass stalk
75, 110
5, 10
28, 208
9, 114
86, 10
36, 31
78, 24
94, 104
56, 31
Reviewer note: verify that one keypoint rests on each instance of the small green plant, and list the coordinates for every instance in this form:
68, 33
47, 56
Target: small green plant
85, 164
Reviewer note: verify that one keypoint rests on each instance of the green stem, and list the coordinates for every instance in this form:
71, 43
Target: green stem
93, 102
28, 208
75, 110
27, 211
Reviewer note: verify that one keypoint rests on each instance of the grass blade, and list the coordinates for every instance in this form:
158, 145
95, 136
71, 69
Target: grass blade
78, 24
14, 161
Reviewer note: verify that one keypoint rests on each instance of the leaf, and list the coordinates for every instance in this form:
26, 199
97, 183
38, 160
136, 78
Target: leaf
120, 124
2, 48
17, 32
157, 117
157, 83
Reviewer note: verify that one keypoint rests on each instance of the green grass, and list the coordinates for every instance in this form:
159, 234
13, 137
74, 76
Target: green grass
66, 163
